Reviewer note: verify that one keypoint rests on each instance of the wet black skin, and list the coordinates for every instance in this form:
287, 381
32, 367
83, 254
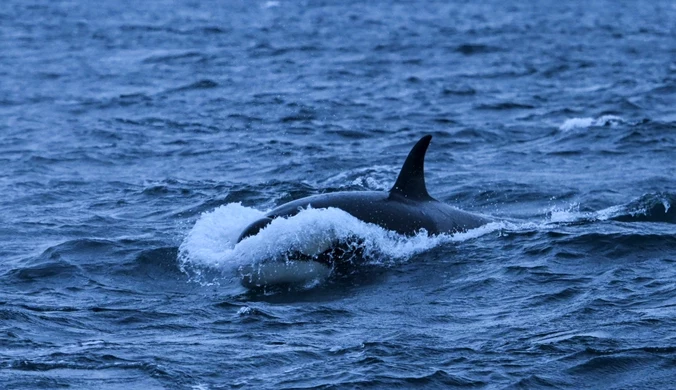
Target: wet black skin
406, 209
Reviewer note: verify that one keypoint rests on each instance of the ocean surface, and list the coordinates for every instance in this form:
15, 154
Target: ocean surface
139, 138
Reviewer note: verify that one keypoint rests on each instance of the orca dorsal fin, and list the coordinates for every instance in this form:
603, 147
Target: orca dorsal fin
411, 181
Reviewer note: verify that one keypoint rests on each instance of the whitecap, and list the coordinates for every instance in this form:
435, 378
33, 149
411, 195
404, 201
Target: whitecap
271, 4
583, 123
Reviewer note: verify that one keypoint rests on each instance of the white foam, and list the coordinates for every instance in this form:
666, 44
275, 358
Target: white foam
377, 178
271, 4
571, 214
609, 212
214, 233
583, 123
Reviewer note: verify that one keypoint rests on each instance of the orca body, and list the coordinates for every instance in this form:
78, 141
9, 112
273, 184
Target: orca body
406, 209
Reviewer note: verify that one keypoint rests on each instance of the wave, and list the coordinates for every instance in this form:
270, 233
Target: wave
507, 105
476, 48
583, 123
164, 57
656, 207
197, 85
61, 263
648, 208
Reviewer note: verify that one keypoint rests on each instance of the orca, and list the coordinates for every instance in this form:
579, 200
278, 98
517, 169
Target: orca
407, 209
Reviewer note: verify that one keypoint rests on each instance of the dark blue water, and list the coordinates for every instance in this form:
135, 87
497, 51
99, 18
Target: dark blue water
139, 137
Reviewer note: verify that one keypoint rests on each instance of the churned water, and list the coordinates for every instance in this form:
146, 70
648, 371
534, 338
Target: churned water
138, 138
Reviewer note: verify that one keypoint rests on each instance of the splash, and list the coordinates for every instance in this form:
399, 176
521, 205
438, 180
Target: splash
215, 233
212, 243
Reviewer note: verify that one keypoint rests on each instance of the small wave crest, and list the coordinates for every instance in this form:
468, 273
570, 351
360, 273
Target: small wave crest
212, 243
583, 123
656, 207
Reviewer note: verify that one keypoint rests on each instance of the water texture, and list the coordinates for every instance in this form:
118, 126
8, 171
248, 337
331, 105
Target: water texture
138, 138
